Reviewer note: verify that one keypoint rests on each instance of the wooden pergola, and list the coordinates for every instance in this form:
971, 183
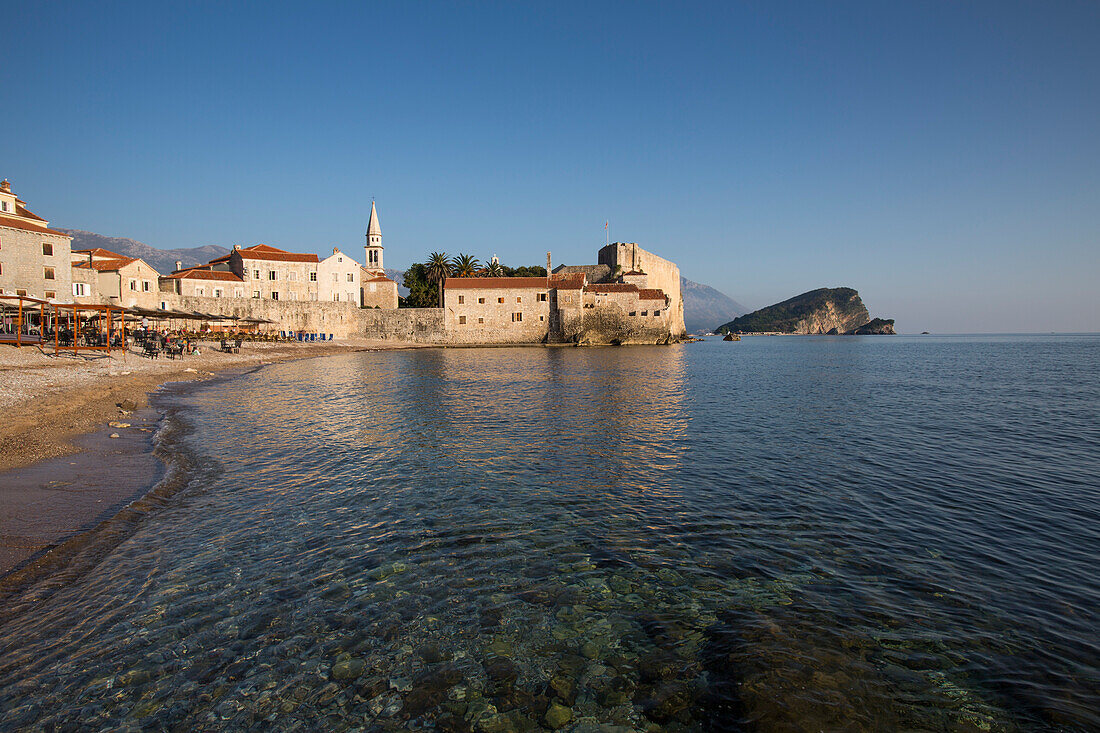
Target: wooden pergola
88, 327
73, 326
18, 327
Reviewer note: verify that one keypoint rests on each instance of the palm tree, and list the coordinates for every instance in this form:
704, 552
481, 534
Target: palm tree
493, 269
439, 267
465, 266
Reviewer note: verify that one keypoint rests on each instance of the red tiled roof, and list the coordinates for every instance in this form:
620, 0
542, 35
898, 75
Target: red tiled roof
199, 273
377, 279
7, 221
486, 283
613, 288
567, 281
273, 254
651, 294
106, 265
24, 211
99, 252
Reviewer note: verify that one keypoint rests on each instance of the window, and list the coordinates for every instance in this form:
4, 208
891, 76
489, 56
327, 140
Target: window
351, 277
47, 272
462, 320
519, 300
481, 300
50, 294
255, 274
238, 293
339, 259
164, 305
517, 317
255, 293
656, 313
461, 299
542, 318
145, 285
336, 277
4, 205
21, 292
133, 285
481, 320
645, 313
47, 249
270, 274
217, 292
313, 277
336, 297
200, 291
78, 289
500, 300
274, 296
542, 297
292, 276
633, 313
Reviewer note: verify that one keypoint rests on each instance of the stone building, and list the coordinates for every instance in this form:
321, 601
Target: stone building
376, 289
630, 297
271, 273
203, 282
34, 259
338, 278
117, 279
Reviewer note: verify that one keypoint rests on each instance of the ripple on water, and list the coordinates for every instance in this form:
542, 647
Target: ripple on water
794, 534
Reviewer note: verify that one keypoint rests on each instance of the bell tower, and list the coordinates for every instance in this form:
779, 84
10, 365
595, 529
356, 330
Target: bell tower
374, 241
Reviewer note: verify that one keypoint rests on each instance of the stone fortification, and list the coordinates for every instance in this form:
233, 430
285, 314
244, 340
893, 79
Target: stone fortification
415, 325
342, 320
628, 260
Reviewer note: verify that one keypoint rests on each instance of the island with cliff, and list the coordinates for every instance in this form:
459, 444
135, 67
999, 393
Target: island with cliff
831, 311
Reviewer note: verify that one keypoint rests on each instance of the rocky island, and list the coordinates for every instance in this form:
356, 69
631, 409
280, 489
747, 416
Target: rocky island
822, 311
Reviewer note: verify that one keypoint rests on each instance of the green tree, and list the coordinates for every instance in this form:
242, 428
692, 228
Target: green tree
421, 291
465, 266
531, 271
493, 269
439, 269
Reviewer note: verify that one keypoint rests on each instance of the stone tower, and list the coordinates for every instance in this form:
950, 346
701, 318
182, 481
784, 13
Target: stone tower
374, 242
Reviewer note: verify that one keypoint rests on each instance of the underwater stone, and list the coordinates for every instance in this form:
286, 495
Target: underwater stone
348, 669
499, 648
557, 716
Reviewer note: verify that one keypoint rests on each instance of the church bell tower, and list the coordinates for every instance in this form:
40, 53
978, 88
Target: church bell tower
374, 241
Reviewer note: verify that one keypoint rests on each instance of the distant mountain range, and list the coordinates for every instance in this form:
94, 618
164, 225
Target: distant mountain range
704, 307
162, 260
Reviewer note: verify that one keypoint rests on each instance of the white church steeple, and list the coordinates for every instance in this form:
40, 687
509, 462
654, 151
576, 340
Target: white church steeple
374, 241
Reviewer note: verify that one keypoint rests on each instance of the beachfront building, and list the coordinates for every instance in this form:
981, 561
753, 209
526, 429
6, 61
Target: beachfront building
271, 273
338, 278
34, 259
202, 282
102, 276
631, 296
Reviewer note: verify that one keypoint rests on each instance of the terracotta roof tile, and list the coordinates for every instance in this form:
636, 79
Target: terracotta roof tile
568, 280
99, 252
651, 294
613, 288
106, 265
24, 211
198, 273
7, 221
272, 254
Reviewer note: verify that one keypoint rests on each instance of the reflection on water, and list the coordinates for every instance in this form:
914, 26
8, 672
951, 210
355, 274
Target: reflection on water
782, 534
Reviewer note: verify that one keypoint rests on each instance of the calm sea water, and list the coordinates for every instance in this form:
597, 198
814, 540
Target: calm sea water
776, 534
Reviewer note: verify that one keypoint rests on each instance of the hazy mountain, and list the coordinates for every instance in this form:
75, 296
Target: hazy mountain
162, 260
705, 307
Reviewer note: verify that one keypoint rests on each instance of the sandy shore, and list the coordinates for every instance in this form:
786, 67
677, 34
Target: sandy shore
47, 401
56, 407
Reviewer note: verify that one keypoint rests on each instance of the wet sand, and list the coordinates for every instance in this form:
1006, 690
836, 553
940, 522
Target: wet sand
61, 473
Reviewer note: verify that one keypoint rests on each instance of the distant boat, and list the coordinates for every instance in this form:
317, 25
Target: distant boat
732, 337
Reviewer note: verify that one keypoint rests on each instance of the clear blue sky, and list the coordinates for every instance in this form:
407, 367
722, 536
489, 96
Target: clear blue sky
942, 158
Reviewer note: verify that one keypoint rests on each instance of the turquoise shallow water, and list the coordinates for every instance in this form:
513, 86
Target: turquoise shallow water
776, 534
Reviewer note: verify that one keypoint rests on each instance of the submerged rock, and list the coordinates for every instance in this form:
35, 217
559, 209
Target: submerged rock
557, 716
